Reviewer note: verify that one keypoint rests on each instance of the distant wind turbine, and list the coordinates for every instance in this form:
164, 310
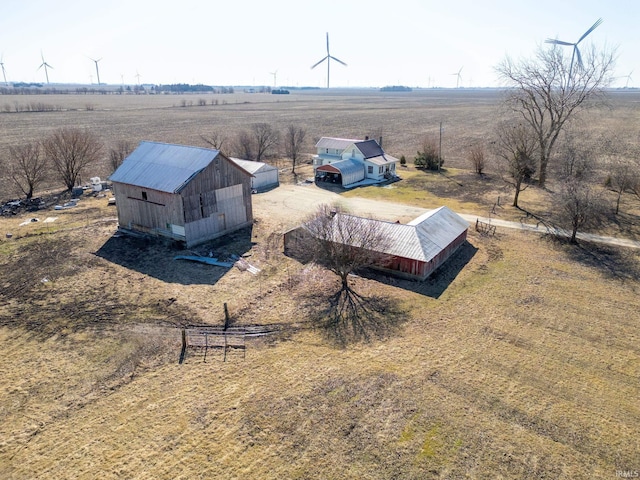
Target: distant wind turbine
137, 75
274, 77
328, 58
576, 51
97, 71
628, 77
4, 72
458, 77
45, 65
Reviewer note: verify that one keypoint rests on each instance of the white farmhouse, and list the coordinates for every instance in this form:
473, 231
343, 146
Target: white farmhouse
349, 161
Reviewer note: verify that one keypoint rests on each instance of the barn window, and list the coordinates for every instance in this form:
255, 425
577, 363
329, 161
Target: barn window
201, 207
144, 195
369, 169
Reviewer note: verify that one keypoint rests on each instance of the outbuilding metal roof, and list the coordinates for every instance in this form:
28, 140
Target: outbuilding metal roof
421, 239
251, 166
162, 166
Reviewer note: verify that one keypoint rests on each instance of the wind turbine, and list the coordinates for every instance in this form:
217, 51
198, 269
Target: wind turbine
4, 72
45, 65
576, 51
328, 58
97, 71
137, 75
628, 77
274, 77
458, 76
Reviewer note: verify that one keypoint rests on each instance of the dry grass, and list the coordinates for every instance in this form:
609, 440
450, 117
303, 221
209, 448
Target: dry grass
519, 360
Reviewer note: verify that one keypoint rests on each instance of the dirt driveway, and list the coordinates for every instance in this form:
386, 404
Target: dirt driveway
289, 204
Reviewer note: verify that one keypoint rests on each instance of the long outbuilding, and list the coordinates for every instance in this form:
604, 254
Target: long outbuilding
414, 250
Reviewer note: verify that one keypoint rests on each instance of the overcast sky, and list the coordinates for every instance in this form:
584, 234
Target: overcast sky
418, 43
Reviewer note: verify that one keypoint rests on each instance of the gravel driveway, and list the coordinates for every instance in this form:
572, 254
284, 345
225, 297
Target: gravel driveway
288, 205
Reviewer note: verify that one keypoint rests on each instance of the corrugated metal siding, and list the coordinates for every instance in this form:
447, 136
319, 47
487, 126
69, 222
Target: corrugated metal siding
352, 171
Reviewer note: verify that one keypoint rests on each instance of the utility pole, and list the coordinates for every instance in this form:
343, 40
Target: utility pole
440, 149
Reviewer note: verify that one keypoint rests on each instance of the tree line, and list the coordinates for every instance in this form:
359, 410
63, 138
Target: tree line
259, 141
65, 154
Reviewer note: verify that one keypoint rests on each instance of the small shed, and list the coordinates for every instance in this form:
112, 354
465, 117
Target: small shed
190, 194
265, 176
415, 250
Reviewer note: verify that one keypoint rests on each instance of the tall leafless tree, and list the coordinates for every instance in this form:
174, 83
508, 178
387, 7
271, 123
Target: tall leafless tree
546, 93
293, 143
266, 139
243, 145
516, 148
343, 243
71, 151
118, 153
580, 203
214, 140
28, 167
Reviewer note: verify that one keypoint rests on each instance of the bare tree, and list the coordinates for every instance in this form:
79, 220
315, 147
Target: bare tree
343, 243
516, 148
215, 140
545, 92
266, 139
71, 151
118, 153
580, 202
28, 167
580, 205
243, 145
477, 158
293, 143
623, 177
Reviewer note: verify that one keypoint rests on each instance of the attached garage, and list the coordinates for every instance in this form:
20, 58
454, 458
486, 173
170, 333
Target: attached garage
265, 176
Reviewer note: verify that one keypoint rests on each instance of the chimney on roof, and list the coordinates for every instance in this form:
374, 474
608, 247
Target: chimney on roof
380, 142
366, 137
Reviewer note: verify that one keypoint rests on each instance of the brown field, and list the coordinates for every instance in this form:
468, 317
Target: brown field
520, 359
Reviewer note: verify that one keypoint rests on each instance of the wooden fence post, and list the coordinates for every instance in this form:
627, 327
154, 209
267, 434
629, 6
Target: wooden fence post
226, 317
183, 352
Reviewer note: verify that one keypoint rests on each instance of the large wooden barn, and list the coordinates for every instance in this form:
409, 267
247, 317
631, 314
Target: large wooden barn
414, 250
190, 194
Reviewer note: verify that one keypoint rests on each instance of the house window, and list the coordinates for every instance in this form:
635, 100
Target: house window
369, 169
144, 195
327, 150
379, 169
353, 153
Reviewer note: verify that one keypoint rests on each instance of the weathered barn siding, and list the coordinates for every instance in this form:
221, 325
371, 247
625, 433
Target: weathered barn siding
158, 211
207, 196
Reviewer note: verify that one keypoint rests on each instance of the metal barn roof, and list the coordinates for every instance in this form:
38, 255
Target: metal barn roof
163, 167
382, 160
421, 239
